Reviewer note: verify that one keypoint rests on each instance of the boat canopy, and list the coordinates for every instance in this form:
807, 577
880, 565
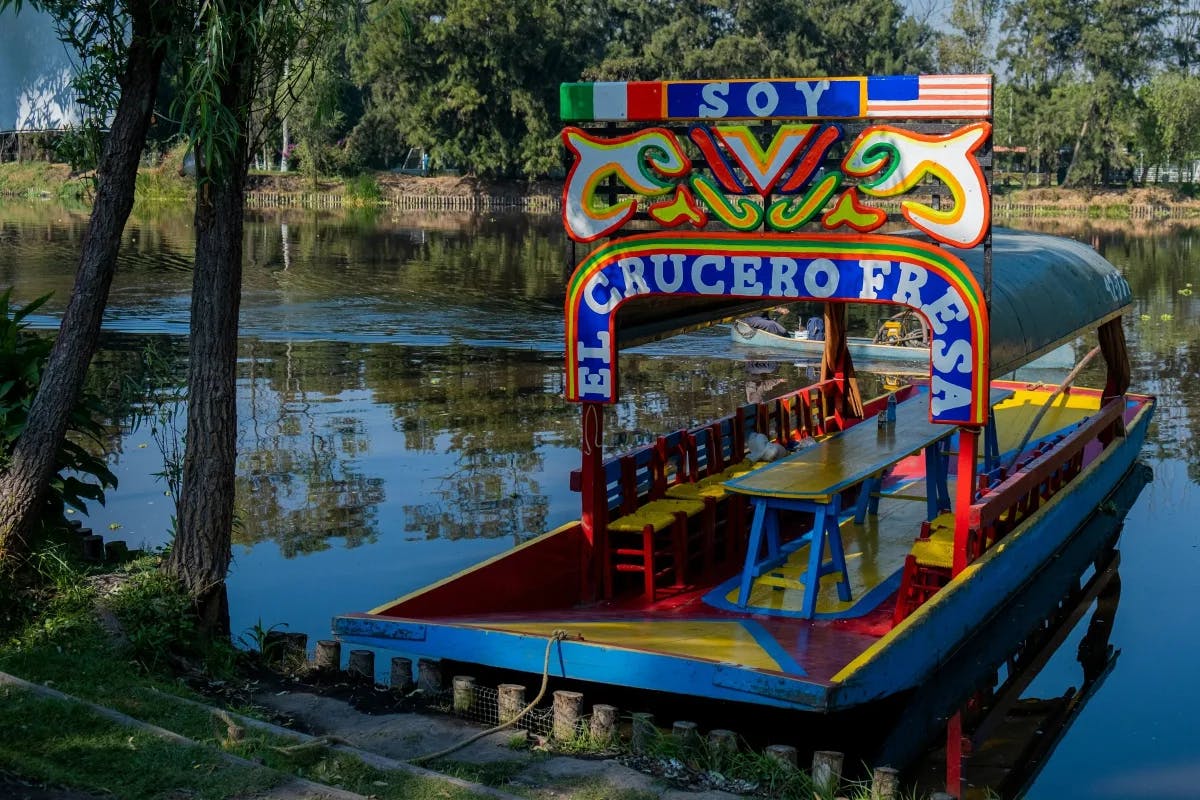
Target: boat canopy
1046, 291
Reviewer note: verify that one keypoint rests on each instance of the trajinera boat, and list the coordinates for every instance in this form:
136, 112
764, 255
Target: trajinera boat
848, 569
902, 337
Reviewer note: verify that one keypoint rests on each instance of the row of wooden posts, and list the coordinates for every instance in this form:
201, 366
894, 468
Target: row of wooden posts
95, 548
567, 711
407, 202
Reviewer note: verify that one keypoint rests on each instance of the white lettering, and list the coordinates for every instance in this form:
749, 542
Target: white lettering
783, 277
873, 272
714, 104
635, 276
947, 308
598, 282
762, 99
826, 270
745, 275
908, 292
947, 395
812, 94
956, 357
718, 265
595, 383
583, 352
661, 280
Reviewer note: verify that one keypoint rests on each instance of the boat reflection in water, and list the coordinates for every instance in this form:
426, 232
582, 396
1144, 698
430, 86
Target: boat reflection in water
995, 740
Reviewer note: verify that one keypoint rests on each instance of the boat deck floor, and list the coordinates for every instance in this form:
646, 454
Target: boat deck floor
704, 622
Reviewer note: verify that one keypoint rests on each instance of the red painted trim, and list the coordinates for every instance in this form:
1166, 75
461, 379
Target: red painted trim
968, 452
643, 100
594, 500
504, 584
1012, 489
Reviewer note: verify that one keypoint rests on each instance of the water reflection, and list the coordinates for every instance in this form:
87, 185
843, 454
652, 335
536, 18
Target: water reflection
400, 418
998, 732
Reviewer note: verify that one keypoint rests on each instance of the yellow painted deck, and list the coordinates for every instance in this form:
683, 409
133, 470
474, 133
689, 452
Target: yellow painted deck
715, 640
875, 552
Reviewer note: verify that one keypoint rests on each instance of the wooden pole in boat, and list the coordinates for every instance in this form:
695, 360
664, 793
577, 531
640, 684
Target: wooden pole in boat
594, 512
964, 489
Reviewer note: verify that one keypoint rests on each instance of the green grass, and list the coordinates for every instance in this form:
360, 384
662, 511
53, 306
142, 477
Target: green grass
62, 645
65, 743
41, 179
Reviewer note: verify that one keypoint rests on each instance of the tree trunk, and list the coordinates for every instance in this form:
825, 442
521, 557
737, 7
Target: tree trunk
23, 485
200, 556
1069, 178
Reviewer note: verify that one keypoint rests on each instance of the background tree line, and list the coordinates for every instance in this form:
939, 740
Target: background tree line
1089, 89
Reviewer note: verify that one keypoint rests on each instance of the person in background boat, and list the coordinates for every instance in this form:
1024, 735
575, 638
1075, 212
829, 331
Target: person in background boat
760, 379
770, 323
815, 329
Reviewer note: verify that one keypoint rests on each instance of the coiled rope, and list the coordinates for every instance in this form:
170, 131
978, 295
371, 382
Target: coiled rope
557, 636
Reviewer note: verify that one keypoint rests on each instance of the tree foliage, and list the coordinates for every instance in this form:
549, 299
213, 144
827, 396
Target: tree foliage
476, 85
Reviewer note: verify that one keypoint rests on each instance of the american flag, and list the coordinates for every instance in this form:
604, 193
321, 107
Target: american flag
944, 96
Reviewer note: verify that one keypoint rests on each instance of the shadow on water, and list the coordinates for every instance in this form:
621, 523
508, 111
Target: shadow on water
1010, 736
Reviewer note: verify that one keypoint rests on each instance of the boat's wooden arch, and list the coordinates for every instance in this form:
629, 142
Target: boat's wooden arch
823, 267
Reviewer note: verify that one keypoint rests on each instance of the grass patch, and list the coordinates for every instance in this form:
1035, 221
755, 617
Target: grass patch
60, 642
492, 773
65, 743
42, 179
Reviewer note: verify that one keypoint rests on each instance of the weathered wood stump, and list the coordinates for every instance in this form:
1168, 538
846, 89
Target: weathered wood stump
827, 770
722, 746
464, 693
643, 732
566, 714
885, 784
93, 547
401, 677
328, 657
429, 675
116, 551
603, 726
361, 666
783, 753
510, 701
686, 736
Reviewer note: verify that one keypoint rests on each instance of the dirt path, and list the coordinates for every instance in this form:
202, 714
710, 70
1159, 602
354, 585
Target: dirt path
403, 736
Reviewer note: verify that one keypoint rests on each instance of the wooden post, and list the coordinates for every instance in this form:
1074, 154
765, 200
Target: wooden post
401, 678
510, 701
429, 675
604, 724
464, 693
594, 505
885, 784
362, 665
295, 650
785, 754
643, 732
968, 450
722, 746
686, 735
329, 655
827, 770
274, 646
116, 551
93, 548
566, 714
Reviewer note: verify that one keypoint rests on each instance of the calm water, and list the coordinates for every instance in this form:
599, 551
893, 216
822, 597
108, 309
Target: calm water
400, 419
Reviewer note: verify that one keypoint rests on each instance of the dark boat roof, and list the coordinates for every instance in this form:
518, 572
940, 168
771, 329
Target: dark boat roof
1046, 290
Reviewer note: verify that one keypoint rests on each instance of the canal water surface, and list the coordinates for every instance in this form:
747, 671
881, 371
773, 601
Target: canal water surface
400, 418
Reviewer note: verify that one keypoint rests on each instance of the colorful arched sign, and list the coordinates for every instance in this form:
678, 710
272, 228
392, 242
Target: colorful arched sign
776, 266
